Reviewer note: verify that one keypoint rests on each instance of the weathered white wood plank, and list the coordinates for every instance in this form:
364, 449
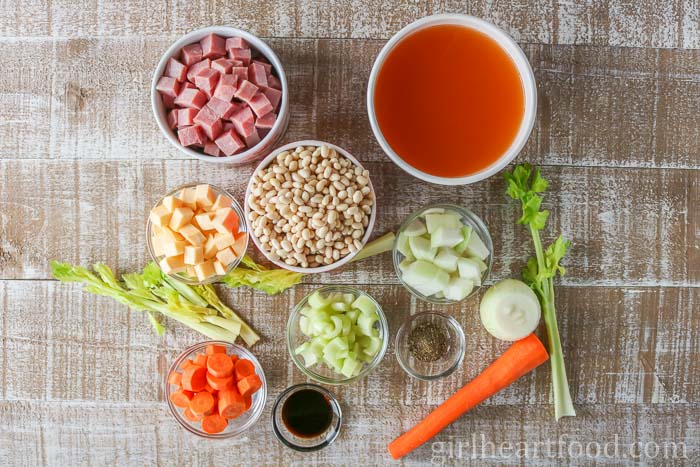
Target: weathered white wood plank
96, 104
627, 226
615, 22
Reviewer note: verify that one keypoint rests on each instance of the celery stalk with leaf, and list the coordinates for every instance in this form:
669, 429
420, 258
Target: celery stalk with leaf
524, 185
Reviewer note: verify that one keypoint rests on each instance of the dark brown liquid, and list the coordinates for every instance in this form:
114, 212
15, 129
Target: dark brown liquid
307, 413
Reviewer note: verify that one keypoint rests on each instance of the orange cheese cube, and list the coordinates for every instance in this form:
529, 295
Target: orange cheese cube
204, 270
226, 256
158, 244
180, 217
224, 240
240, 245
204, 195
175, 248
194, 255
160, 216
204, 221
171, 202
219, 268
221, 202
172, 264
188, 197
226, 220
167, 234
193, 235
210, 248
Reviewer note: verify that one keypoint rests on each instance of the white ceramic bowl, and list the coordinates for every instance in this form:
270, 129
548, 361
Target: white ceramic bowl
278, 129
522, 65
329, 267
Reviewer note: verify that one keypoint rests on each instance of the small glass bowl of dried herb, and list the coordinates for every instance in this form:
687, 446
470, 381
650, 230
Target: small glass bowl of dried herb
430, 345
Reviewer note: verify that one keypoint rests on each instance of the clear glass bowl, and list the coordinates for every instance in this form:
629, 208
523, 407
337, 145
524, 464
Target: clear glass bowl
298, 443
235, 426
242, 227
468, 218
321, 372
445, 365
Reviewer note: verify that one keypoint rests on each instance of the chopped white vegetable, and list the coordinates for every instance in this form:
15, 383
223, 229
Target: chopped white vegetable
415, 229
477, 248
421, 248
446, 259
447, 220
466, 234
444, 236
426, 278
469, 269
510, 310
405, 263
458, 288
403, 246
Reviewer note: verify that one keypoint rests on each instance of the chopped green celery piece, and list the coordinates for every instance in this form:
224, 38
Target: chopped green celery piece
350, 367
352, 315
317, 344
304, 325
446, 259
318, 327
365, 323
477, 248
403, 246
415, 229
469, 269
466, 234
446, 220
339, 306
364, 304
335, 347
347, 324
316, 301
426, 278
421, 248
306, 310
351, 337
302, 348
310, 358
319, 314
348, 298
336, 328
371, 345
444, 236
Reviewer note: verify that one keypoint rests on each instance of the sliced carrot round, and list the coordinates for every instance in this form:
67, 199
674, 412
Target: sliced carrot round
231, 404
175, 378
202, 403
248, 385
194, 378
220, 365
181, 397
244, 367
234, 359
187, 363
210, 389
215, 348
201, 359
220, 383
190, 416
214, 424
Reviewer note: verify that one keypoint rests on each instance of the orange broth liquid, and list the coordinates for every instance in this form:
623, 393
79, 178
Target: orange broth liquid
449, 100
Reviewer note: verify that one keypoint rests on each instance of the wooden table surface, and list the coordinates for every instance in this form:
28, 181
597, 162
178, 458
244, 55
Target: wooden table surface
617, 133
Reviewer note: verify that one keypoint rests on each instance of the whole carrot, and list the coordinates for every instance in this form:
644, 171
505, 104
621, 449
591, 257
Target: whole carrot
521, 358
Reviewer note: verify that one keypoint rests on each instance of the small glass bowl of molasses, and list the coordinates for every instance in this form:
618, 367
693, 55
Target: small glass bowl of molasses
306, 417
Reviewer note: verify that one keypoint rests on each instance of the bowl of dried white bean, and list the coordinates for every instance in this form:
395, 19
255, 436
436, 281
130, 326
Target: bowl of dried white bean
310, 206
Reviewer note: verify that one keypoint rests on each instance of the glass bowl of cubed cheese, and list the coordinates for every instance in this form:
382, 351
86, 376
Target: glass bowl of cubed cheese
196, 233
443, 253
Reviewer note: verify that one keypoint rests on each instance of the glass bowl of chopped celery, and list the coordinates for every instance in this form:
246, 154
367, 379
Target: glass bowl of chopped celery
337, 334
443, 253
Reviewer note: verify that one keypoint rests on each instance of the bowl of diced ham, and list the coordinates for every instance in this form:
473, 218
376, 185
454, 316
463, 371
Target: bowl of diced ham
219, 94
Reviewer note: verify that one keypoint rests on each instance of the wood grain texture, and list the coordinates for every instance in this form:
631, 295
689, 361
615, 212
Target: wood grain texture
608, 22
591, 99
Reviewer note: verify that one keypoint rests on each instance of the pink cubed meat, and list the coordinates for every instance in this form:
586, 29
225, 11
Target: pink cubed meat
243, 121
172, 119
264, 63
190, 136
242, 55
222, 108
241, 72
256, 74
274, 82
265, 123
168, 101
212, 149
191, 98
168, 86
176, 70
213, 46
198, 68
191, 54
206, 81
209, 121
246, 90
236, 43
274, 96
222, 65
189, 85
252, 139
260, 105
229, 143
226, 88
185, 117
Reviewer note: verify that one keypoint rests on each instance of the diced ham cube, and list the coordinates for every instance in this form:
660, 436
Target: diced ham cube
213, 46
197, 68
246, 90
226, 88
222, 65
189, 85
257, 75
228, 126
212, 149
274, 96
206, 81
252, 139
241, 72
265, 64
172, 119
176, 70
243, 121
236, 62
168, 86
236, 43
222, 108
191, 54
242, 55
260, 105
191, 98
191, 135
265, 123
185, 117
274, 82
229, 143
168, 101
210, 122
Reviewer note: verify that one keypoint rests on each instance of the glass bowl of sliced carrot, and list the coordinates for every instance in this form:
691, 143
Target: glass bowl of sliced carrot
215, 389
